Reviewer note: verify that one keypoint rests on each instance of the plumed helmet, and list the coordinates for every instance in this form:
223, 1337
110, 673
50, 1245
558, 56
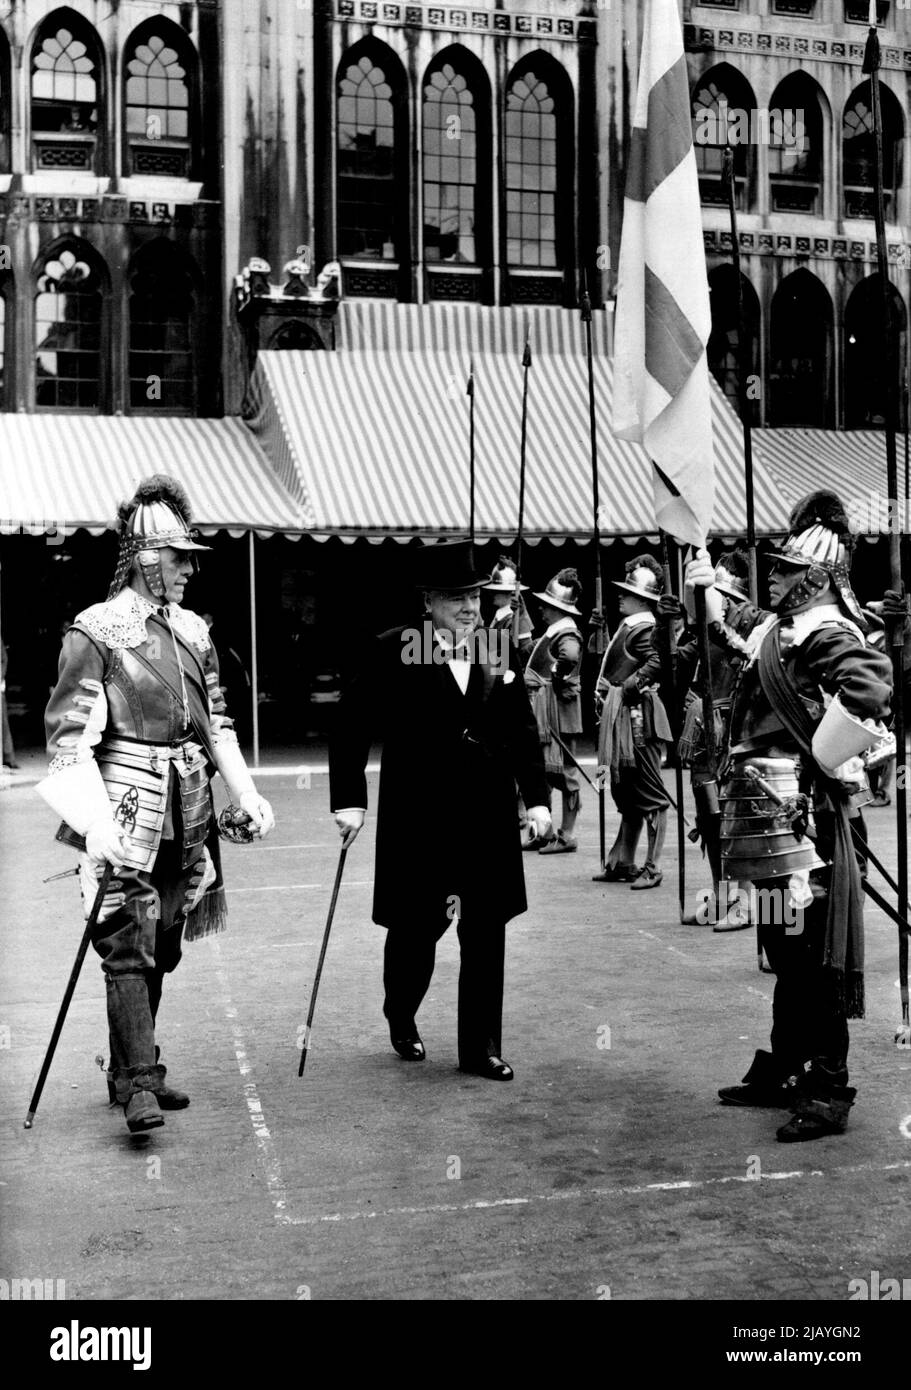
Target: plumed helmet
644, 578
503, 579
157, 515
821, 542
732, 575
563, 591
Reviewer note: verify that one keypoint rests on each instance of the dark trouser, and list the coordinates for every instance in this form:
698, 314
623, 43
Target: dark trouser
408, 964
808, 1020
139, 941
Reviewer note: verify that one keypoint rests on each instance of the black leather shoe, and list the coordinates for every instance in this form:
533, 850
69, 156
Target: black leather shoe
493, 1068
410, 1049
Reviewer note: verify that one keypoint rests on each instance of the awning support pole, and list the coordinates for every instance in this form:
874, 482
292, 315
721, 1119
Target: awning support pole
254, 665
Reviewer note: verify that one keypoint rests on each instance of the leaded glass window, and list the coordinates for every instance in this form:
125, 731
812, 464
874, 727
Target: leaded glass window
531, 174
68, 324
366, 152
64, 84
450, 168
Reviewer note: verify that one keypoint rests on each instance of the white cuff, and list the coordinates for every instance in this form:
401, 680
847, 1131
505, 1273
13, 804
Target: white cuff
840, 735
78, 795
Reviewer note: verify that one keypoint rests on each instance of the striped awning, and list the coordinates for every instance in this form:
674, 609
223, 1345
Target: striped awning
373, 439
61, 472
851, 462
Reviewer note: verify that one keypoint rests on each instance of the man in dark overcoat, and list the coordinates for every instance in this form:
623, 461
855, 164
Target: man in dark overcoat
448, 700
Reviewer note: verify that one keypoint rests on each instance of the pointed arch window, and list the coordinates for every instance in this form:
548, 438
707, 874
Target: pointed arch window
369, 154
66, 94
865, 380
800, 353
723, 349
161, 310
532, 154
450, 159
795, 141
724, 113
859, 151
69, 309
160, 85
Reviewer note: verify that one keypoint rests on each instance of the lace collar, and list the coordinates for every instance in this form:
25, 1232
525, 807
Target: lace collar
120, 622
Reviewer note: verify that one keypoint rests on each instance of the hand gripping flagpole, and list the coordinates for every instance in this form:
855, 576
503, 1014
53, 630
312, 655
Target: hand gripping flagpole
526, 367
743, 369
871, 65
596, 635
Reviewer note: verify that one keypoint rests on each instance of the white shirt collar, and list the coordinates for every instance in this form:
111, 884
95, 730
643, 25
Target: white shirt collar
445, 640
561, 625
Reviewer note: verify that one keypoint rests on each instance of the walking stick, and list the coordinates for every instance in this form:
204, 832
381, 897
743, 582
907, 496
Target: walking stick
871, 65
471, 466
68, 992
322, 956
526, 366
743, 370
596, 622
668, 659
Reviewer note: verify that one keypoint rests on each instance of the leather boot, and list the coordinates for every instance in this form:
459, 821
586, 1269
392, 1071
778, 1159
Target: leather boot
822, 1107
132, 1037
764, 1086
135, 1090
814, 1119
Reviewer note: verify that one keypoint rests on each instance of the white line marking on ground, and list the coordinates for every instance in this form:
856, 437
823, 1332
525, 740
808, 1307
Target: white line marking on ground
905, 1127
577, 1194
265, 1144
259, 848
288, 887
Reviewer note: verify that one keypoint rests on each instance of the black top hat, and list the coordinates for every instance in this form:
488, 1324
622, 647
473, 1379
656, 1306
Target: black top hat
450, 568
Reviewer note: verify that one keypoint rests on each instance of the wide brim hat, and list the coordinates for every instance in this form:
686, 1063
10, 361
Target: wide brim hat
637, 589
737, 589
500, 583
449, 568
558, 595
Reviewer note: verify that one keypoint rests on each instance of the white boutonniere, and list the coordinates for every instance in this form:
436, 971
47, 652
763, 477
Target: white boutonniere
508, 677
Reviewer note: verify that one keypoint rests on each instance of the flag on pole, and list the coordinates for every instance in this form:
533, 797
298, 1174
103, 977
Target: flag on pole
661, 381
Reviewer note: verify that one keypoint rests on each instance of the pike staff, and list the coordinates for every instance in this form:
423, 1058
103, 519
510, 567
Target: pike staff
743, 368
669, 661
526, 367
471, 459
597, 623
871, 65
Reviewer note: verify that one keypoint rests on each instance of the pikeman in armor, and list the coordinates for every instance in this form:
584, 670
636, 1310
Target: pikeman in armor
741, 616
809, 699
502, 589
136, 728
634, 728
554, 688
